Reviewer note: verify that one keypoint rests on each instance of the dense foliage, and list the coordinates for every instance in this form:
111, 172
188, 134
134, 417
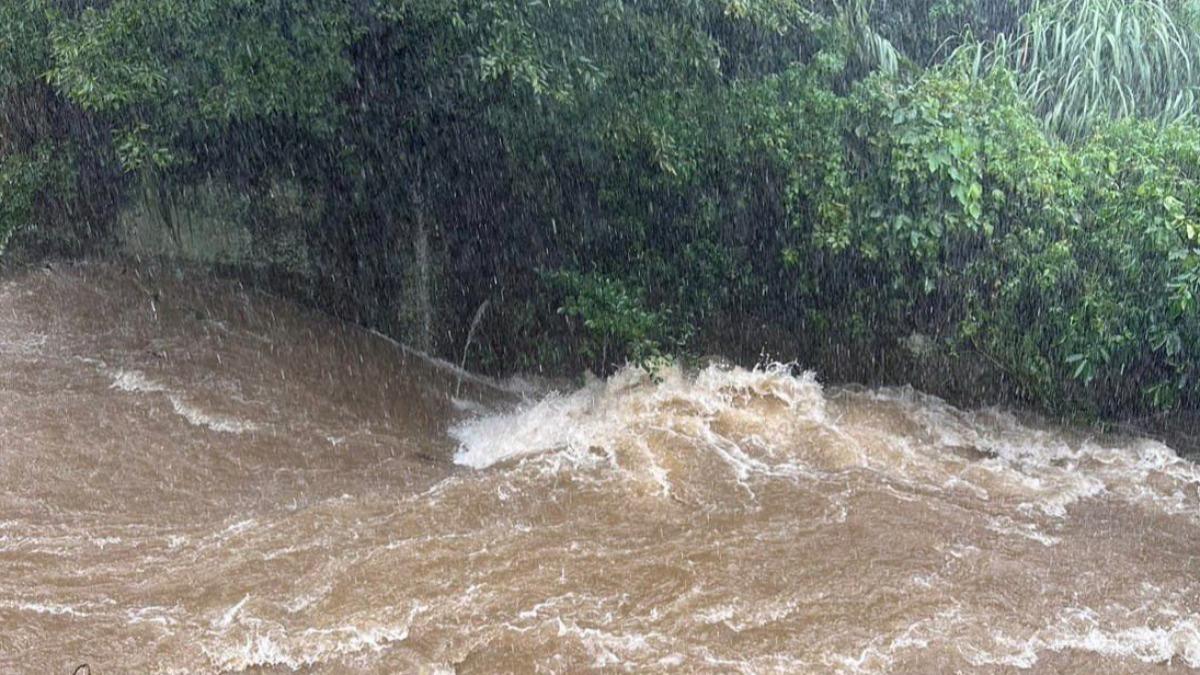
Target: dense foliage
1012, 180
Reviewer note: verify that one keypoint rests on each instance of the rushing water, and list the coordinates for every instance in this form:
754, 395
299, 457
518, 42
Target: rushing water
199, 478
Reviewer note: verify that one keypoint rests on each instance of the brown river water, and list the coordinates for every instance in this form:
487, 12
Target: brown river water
202, 478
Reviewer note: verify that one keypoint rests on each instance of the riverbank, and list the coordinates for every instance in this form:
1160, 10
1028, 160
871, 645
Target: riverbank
964, 380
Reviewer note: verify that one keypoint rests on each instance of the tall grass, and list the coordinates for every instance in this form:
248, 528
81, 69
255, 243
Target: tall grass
1085, 61
873, 50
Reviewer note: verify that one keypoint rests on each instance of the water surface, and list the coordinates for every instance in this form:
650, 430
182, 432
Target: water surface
201, 478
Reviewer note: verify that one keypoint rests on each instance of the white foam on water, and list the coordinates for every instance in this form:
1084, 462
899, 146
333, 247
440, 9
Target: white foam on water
310, 647
227, 618
673, 660
1049, 467
1008, 526
756, 422
468, 406
879, 654
1081, 629
1055, 492
199, 418
1150, 458
238, 527
45, 608
29, 344
134, 381
248, 642
740, 618
606, 649
553, 423
306, 600
163, 616
615, 412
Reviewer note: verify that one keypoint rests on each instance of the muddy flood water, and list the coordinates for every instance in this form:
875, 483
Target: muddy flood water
201, 478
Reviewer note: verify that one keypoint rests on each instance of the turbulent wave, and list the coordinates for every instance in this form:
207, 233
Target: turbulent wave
770, 422
606, 412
